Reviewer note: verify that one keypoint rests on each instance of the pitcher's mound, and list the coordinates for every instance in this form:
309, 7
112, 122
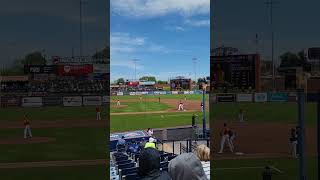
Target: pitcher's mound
21, 140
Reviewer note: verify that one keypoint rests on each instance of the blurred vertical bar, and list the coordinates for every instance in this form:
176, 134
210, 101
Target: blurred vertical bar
318, 131
301, 133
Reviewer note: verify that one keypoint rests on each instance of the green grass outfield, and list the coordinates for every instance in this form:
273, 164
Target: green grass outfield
140, 107
56, 173
71, 144
251, 169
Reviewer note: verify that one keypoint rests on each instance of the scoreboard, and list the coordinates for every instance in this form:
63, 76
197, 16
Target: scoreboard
238, 71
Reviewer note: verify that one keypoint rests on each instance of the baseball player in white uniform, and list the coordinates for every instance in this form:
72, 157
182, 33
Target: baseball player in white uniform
225, 137
180, 108
27, 129
118, 102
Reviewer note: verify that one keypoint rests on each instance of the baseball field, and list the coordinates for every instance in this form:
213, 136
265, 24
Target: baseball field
69, 142
263, 140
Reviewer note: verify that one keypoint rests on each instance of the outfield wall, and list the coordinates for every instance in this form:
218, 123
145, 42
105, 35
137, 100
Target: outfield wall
67, 101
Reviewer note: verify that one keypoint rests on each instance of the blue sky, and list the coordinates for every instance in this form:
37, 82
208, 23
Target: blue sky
164, 35
34, 25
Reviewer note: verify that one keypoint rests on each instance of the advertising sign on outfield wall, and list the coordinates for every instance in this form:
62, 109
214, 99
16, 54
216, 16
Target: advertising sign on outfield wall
32, 101
163, 92
225, 97
180, 92
186, 92
119, 93
260, 97
168, 92
278, 97
156, 92
10, 101
72, 101
174, 92
144, 92
292, 97
244, 97
191, 92
150, 92
132, 93
105, 100
52, 101
138, 93
92, 100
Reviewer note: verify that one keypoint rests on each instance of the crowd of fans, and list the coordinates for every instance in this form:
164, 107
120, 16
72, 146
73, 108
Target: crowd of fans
56, 86
193, 165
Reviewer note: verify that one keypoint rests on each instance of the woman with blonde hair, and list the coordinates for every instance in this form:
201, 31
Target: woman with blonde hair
203, 153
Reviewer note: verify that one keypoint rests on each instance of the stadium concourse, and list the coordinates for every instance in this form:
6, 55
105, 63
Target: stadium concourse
125, 159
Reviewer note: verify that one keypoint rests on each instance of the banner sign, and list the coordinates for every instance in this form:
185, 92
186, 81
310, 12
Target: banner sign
186, 92
156, 92
113, 93
40, 69
138, 93
180, 92
175, 92
144, 83
32, 101
52, 101
92, 100
144, 92
168, 92
278, 97
191, 92
244, 97
72, 101
10, 101
260, 97
225, 97
119, 93
150, 92
64, 70
132, 93
292, 97
163, 92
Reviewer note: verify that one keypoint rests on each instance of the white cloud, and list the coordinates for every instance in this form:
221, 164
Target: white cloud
125, 43
175, 28
156, 8
198, 23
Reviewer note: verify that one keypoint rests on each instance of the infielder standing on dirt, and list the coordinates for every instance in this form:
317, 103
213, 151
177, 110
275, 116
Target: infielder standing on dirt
98, 113
27, 129
118, 102
180, 108
293, 143
225, 137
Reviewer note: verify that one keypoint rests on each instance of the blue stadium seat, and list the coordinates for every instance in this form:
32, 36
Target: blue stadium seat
127, 171
121, 158
164, 164
131, 177
128, 165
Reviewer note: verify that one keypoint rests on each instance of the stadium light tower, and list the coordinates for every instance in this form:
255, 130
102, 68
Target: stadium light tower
194, 60
270, 4
82, 2
135, 68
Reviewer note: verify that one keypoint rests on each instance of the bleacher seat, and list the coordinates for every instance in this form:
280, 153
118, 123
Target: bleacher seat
127, 171
128, 165
164, 164
131, 177
123, 162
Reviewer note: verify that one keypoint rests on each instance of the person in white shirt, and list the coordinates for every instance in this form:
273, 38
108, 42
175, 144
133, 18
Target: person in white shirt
150, 132
203, 153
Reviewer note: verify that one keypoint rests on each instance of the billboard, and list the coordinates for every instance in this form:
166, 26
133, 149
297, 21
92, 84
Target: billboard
238, 71
40, 69
10, 101
225, 97
244, 98
32, 101
52, 101
260, 97
278, 97
92, 100
146, 83
72, 101
65, 70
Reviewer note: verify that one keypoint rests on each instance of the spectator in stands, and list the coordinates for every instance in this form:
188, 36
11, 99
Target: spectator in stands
151, 143
186, 166
121, 144
149, 166
150, 132
203, 153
